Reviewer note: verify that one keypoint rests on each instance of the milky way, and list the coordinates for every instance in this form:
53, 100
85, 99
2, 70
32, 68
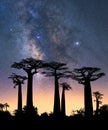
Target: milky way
46, 29
49, 30
71, 31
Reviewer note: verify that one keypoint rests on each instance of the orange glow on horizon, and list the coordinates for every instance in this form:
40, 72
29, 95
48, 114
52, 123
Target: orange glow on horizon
43, 97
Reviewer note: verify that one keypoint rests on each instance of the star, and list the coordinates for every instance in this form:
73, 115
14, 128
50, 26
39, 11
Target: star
77, 43
38, 36
11, 29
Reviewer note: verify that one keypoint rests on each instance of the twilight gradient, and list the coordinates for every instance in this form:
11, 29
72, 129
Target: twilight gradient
71, 31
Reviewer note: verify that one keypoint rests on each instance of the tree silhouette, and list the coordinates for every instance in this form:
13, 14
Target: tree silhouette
103, 111
35, 111
6, 105
1, 106
64, 86
84, 76
56, 69
98, 101
30, 66
18, 80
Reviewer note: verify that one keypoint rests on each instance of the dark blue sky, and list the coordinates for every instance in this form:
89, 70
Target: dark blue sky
59, 24
72, 31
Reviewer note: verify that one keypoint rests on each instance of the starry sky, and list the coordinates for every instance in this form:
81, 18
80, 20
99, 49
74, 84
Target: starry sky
70, 31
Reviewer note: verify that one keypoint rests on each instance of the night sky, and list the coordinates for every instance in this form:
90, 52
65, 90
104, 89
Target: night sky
70, 31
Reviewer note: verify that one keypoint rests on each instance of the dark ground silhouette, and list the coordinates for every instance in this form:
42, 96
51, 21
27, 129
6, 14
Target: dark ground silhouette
48, 122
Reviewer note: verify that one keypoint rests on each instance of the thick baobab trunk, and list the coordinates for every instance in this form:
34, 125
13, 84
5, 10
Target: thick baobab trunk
63, 111
29, 102
56, 109
88, 100
19, 98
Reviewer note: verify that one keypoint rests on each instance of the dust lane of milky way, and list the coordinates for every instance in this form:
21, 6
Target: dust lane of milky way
72, 31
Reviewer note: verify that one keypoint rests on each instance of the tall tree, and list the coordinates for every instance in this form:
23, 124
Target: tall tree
18, 80
56, 70
30, 66
85, 76
64, 86
98, 97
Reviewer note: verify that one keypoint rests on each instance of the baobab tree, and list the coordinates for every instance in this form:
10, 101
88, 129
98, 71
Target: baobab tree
64, 86
30, 66
85, 76
18, 80
98, 97
56, 70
